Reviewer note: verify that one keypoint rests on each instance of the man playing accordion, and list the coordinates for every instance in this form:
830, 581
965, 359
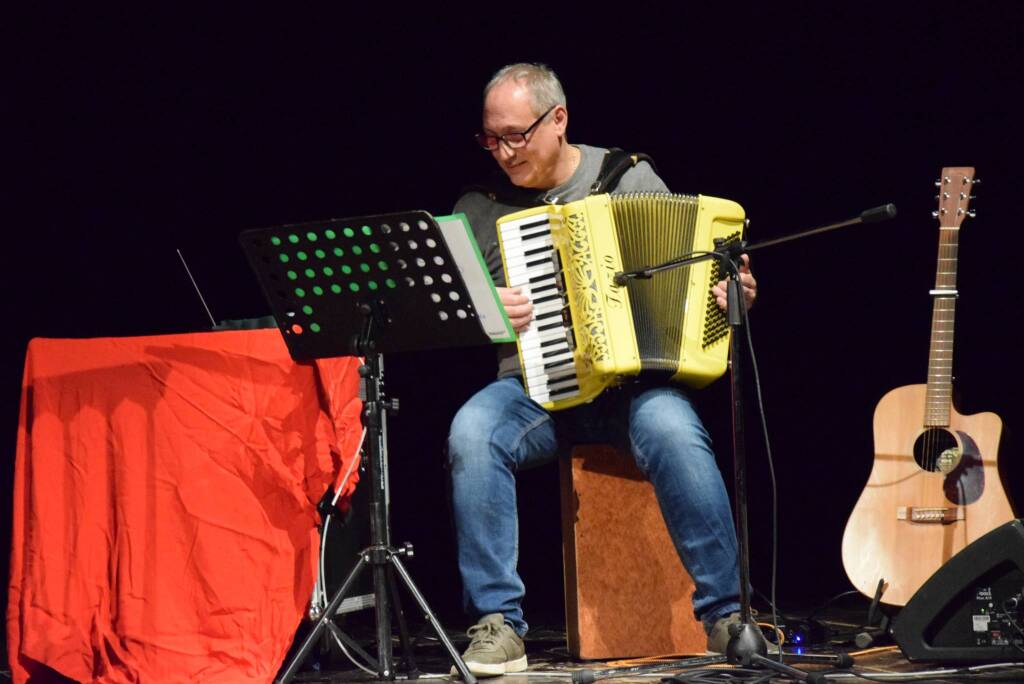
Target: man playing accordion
500, 430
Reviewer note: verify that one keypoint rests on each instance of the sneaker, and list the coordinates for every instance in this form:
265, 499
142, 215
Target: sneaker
718, 638
494, 648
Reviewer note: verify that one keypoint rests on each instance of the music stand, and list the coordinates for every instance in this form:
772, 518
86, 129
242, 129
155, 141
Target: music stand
364, 286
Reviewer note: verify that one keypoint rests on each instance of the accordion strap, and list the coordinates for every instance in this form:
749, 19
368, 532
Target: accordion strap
616, 163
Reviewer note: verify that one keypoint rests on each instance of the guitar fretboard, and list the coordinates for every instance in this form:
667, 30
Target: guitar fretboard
939, 394
954, 195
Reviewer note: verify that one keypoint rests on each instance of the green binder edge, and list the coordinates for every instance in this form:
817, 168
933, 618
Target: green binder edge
510, 334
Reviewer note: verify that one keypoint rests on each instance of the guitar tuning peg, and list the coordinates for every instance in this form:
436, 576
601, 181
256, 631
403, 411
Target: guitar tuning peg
935, 214
972, 213
938, 183
976, 181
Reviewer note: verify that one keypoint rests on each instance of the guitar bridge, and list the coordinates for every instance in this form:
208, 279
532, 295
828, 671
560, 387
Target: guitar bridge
922, 514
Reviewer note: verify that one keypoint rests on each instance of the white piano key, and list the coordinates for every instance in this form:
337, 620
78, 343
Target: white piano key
537, 365
520, 261
542, 285
522, 274
561, 355
566, 370
520, 242
535, 350
567, 394
541, 337
565, 378
515, 236
565, 384
531, 222
551, 307
543, 356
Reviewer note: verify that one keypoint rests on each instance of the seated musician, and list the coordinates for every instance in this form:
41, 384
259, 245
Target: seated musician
500, 429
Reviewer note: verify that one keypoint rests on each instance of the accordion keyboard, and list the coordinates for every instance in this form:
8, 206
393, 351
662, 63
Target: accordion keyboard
546, 348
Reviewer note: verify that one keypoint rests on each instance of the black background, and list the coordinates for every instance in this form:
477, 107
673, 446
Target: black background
132, 133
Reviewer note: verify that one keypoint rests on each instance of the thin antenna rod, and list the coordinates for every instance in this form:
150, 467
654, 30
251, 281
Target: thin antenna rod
213, 322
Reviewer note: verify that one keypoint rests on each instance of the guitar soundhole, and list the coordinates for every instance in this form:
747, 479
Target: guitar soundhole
937, 450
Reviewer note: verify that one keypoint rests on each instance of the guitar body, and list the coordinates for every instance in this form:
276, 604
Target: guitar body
932, 491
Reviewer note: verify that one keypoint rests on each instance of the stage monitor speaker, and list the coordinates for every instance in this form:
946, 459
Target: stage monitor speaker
970, 610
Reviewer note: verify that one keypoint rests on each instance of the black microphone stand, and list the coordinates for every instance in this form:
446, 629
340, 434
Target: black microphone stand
747, 646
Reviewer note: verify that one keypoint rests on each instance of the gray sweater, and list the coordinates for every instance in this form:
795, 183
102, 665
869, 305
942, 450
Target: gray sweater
483, 213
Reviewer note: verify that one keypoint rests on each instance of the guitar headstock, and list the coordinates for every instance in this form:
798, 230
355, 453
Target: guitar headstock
955, 188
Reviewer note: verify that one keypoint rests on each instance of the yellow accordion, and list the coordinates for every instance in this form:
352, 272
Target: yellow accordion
589, 333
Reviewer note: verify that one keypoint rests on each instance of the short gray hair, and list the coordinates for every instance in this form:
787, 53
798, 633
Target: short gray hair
542, 83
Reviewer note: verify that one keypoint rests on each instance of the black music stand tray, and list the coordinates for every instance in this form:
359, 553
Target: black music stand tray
364, 286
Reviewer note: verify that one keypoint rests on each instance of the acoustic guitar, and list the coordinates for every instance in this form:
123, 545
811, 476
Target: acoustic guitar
935, 485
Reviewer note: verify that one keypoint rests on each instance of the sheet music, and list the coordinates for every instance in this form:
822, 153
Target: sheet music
459, 238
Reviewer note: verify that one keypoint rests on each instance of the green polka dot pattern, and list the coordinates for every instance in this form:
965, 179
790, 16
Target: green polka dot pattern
319, 249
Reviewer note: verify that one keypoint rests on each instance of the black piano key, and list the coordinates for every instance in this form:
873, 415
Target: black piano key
564, 393
546, 298
533, 224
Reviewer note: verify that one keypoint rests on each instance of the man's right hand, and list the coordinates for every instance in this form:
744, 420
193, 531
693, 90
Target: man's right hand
517, 306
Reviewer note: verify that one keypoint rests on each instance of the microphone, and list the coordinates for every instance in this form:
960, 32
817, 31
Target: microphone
882, 213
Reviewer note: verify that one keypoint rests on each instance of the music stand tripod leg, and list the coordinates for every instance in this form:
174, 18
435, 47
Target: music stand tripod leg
409, 661
345, 641
460, 665
322, 622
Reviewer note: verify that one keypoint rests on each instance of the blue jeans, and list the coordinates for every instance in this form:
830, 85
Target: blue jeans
500, 430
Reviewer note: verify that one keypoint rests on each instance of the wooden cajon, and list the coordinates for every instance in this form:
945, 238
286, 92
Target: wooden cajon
626, 592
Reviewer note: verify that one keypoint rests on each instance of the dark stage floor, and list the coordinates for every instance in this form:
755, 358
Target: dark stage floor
550, 661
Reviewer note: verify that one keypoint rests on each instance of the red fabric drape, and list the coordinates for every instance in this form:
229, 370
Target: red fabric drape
164, 522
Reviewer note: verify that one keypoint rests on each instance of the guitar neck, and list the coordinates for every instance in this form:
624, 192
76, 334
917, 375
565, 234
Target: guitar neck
939, 395
954, 195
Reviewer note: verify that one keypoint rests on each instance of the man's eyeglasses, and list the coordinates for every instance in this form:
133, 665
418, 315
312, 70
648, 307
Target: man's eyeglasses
514, 140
